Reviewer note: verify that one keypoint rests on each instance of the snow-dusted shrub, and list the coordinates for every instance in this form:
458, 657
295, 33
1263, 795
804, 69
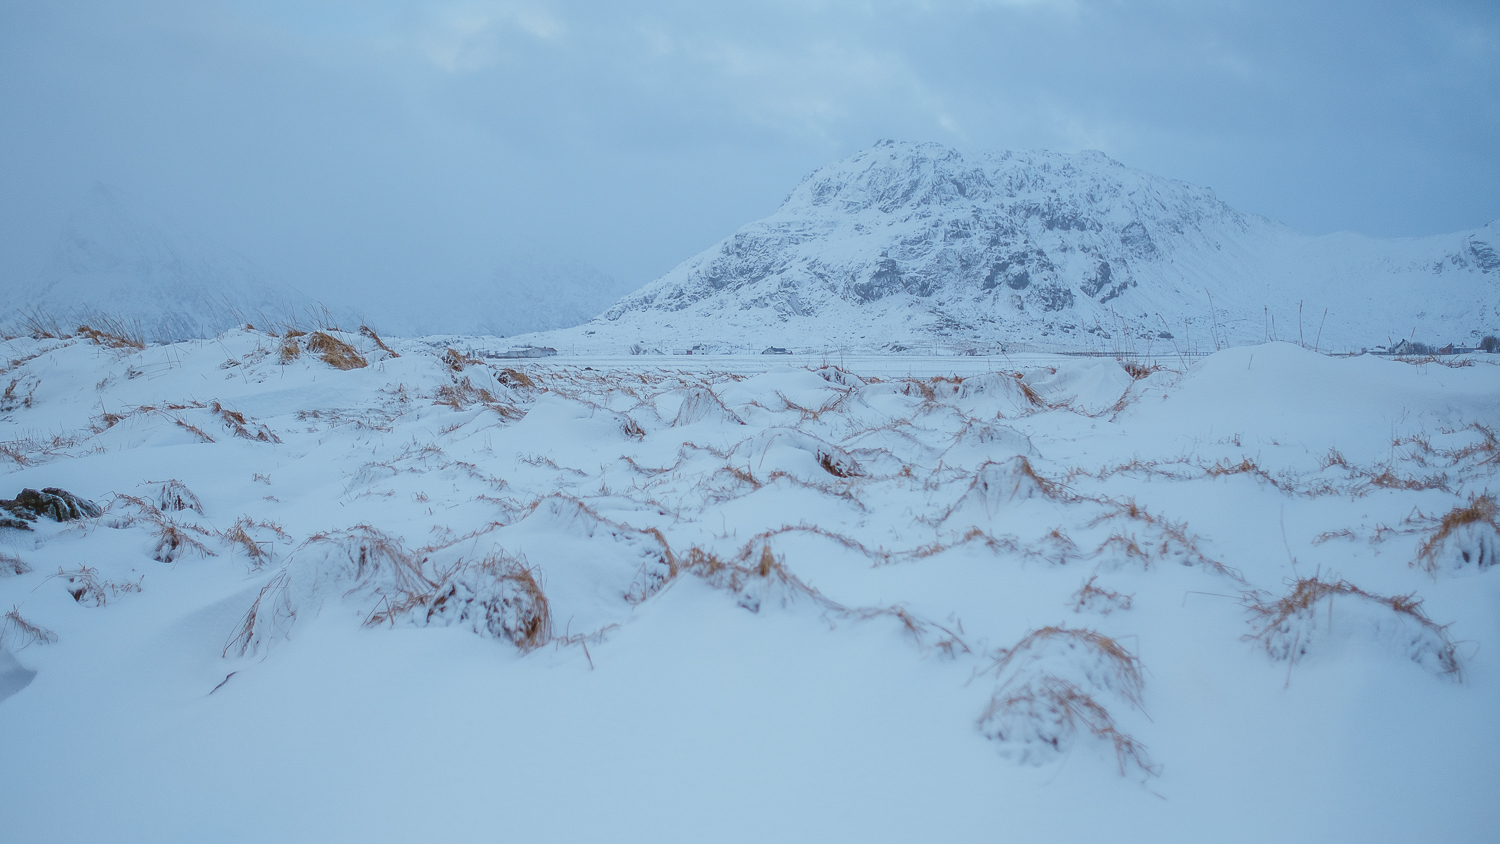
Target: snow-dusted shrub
1468, 535
1053, 686
1317, 612
368, 333
645, 550
173, 495
172, 541
699, 404
114, 333
241, 427
358, 561
1094, 598
795, 454
1007, 394
498, 596
17, 633
996, 485
334, 352
255, 538
840, 377
756, 576
86, 587
10, 564
985, 437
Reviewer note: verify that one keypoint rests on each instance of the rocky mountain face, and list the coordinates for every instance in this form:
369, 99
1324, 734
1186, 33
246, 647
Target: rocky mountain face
908, 244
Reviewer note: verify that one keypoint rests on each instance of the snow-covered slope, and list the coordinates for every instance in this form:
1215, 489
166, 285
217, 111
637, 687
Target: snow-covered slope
429, 598
921, 245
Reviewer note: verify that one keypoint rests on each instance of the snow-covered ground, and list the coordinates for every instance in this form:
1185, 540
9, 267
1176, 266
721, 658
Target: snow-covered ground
1243, 598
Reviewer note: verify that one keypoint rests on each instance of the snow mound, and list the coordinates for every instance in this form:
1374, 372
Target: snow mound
996, 486
1304, 620
360, 562
13, 676
787, 451
699, 404
1466, 536
1053, 686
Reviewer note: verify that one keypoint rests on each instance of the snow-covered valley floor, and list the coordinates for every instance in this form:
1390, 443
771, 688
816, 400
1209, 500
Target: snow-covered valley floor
435, 598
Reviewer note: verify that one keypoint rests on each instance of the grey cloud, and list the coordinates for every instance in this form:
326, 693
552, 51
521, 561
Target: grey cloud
357, 146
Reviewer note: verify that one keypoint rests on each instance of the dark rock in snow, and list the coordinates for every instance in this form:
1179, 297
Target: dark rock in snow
59, 505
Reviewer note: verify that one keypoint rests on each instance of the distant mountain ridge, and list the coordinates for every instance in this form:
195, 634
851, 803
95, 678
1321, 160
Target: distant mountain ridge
918, 244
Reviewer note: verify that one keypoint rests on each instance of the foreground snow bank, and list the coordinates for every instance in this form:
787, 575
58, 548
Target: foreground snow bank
565, 586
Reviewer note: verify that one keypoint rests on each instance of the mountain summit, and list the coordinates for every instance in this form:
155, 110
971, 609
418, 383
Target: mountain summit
905, 244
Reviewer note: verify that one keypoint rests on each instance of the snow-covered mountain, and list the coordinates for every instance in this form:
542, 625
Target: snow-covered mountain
113, 259
918, 245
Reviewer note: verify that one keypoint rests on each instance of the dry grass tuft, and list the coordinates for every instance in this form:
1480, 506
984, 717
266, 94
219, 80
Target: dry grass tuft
1330, 535
17, 629
42, 326
1334, 458
1124, 668
456, 361
1098, 599
10, 564
86, 587
1481, 511
1137, 370
121, 337
173, 495
1390, 480
10, 399
1246, 466
515, 378
271, 607
334, 352
185, 425
238, 534
240, 427
174, 540
369, 333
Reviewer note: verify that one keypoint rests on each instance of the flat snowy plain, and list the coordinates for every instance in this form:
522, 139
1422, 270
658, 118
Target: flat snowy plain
747, 599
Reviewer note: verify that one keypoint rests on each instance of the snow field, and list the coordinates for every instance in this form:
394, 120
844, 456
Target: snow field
432, 595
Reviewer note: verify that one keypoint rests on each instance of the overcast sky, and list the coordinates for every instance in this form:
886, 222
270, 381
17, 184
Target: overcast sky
360, 141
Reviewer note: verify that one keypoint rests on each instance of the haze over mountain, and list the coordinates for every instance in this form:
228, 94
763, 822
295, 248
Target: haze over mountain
531, 289
111, 258
114, 259
918, 244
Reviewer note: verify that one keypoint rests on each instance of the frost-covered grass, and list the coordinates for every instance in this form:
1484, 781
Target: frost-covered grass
377, 589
